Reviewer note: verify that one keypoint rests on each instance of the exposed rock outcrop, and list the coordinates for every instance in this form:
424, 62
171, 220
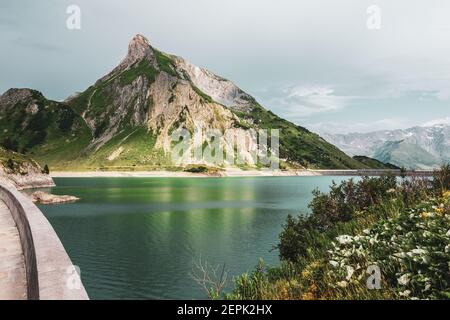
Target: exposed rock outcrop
42, 197
219, 89
22, 172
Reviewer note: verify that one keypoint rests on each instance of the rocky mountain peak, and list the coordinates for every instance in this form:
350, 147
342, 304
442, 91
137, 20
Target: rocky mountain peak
139, 48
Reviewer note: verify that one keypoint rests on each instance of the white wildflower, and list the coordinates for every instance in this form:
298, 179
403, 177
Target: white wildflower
342, 284
344, 239
418, 251
426, 234
366, 231
404, 279
347, 253
334, 263
405, 293
350, 271
400, 255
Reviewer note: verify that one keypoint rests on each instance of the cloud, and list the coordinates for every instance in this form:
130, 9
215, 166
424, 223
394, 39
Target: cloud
37, 45
363, 127
443, 94
300, 101
434, 122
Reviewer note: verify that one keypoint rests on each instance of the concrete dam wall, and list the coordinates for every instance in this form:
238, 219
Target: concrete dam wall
50, 274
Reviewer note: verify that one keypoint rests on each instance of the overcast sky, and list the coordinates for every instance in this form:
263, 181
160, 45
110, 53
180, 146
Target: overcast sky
313, 62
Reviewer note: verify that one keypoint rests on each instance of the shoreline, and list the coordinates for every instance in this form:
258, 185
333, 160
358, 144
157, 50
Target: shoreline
231, 172
178, 174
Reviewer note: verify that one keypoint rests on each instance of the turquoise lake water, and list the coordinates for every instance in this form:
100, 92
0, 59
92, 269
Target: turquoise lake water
138, 238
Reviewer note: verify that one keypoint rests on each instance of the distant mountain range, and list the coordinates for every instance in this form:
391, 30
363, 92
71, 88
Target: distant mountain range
416, 148
125, 119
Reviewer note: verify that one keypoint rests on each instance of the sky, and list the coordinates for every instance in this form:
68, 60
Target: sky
332, 66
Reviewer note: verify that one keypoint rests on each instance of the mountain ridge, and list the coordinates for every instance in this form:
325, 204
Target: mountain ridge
126, 117
418, 147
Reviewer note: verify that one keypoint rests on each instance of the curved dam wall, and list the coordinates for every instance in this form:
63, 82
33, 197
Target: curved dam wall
49, 270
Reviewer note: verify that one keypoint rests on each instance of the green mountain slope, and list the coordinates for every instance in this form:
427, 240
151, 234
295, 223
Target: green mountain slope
125, 119
44, 129
374, 163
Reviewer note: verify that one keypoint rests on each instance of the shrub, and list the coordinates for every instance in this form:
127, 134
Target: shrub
296, 237
414, 189
196, 169
10, 164
441, 179
200, 169
328, 209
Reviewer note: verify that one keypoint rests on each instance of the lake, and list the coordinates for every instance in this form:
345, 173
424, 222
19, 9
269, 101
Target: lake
138, 238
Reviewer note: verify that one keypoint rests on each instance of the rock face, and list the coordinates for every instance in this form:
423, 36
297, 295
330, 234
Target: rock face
126, 118
42, 197
22, 172
219, 89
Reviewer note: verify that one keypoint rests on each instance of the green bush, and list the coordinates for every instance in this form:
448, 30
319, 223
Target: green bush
196, 169
328, 209
296, 237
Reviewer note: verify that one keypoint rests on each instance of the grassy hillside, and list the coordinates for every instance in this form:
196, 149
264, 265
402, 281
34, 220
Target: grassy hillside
300, 145
15, 163
8, 156
374, 163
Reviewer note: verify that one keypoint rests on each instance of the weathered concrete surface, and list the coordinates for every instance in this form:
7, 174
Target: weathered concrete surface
50, 273
13, 278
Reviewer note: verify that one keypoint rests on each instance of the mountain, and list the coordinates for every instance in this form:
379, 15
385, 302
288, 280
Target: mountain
406, 154
125, 119
417, 147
